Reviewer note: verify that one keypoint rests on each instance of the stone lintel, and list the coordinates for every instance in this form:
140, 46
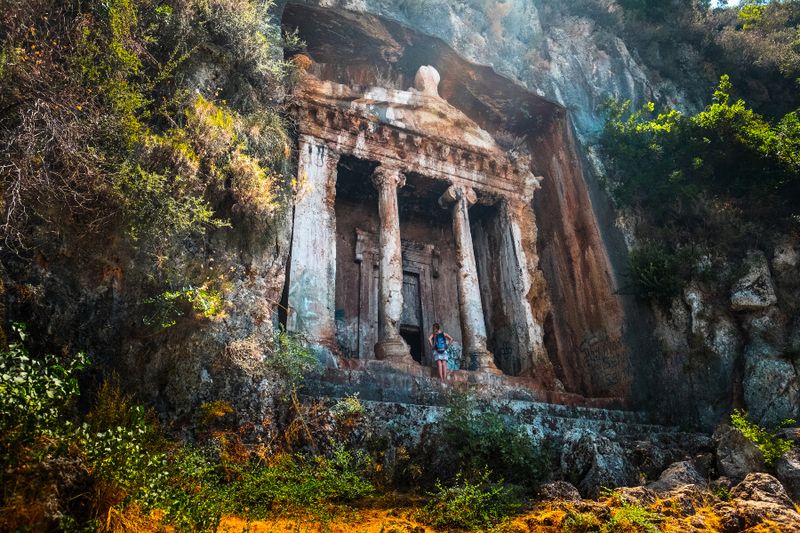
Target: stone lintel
363, 137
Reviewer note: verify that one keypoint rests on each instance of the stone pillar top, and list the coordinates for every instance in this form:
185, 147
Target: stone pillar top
388, 176
455, 193
427, 81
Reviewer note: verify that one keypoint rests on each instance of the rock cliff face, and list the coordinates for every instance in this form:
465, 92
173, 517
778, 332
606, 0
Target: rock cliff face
550, 67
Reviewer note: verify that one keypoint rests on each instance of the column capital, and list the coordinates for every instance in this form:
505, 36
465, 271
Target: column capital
384, 176
456, 193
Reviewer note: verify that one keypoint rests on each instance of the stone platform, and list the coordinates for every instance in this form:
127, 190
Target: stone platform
388, 381
592, 442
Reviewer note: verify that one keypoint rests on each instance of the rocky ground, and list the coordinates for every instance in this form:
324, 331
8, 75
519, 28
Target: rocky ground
679, 501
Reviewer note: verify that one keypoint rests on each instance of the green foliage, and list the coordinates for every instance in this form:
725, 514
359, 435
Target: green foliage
581, 522
133, 469
302, 483
657, 275
469, 505
481, 438
291, 359
663, 163
771, 445
105, 132
167, 307
632, 517
34, 393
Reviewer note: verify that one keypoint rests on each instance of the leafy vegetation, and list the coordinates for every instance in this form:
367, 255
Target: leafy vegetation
469, 505
480, 437
116, 142
114, 469
772, 446
713, 182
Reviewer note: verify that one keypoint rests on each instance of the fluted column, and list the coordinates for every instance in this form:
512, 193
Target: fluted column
312, 272
391, 345
473, 325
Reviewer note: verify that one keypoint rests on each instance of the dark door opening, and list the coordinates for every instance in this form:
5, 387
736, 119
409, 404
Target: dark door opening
413, 336
411, 319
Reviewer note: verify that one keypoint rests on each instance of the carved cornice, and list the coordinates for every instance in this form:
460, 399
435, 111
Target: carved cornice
366, 137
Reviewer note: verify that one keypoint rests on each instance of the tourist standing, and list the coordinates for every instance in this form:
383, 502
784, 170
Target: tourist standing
440, 341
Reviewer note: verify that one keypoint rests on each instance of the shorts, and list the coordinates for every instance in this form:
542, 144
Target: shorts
439, 356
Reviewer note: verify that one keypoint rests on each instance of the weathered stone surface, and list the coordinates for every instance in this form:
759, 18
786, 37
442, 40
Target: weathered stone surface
596, 461
787, 468
736, 456
771, 390
427, 81
761, 487
559, 490
755, 290
677, 475
759, 499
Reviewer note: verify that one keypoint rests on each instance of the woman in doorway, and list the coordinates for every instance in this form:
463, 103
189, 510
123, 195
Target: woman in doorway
439, 341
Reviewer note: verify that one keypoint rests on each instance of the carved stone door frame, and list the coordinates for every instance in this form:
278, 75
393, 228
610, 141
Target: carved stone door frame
419, 259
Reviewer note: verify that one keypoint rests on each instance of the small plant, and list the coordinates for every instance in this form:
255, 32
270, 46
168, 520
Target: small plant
211, 412
579, 522
771, 445
469, 505
723, 493
167, 307
633, 517
349, 407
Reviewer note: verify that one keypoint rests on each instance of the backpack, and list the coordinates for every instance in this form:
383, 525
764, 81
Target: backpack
441, 342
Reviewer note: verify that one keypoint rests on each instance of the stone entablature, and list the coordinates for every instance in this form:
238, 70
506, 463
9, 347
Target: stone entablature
418, 132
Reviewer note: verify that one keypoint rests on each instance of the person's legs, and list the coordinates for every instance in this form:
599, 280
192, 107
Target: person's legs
444, 370
439, 368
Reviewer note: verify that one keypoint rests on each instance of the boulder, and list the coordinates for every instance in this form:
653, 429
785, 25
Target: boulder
755, 290
559, 490
678, 475
758, 500
761, 487
595, 461
736, 456
771, 390
787, 469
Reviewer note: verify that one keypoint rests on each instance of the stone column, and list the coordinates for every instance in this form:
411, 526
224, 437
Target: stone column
312, 272
391, 345
473, 326
524, 287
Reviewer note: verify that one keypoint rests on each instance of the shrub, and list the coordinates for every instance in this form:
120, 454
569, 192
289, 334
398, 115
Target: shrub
481, 438
656, 275
633, 517
771, 445
34, 394
469, 505
581, 522
302, 483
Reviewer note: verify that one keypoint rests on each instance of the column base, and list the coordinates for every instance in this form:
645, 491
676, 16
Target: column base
394, 349
485, 363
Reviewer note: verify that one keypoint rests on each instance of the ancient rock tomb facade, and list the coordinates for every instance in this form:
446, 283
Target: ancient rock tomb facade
407, 213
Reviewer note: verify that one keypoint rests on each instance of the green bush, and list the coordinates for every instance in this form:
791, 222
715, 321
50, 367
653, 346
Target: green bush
771, 445
469, 505
301, 483
656, 275
34, 395
129, 468
480, 437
